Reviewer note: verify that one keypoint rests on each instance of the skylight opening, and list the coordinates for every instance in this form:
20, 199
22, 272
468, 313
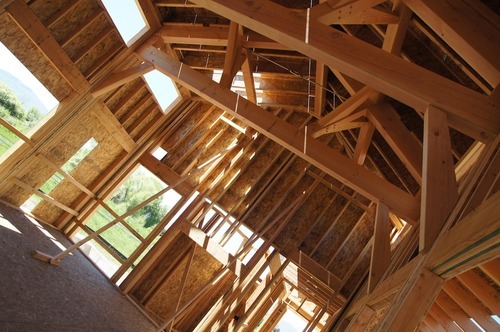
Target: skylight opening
128, 19
163, 89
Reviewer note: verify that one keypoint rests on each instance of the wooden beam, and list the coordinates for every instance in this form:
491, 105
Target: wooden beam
471, 305
347, 107
22, 14
44, 196
331, 10
213, 248
418, 295
363, 62
289, 136
374, 15
395, 33
197, 34
320, 92
399, 138
472, 242
233, 49
381, 249
439, 187
466, 30
492, 269
363, 143
246, 69
117, 79
455, 312
363, 319
481, 289
114, 127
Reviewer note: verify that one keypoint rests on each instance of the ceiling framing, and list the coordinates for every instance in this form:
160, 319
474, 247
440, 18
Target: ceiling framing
356, 141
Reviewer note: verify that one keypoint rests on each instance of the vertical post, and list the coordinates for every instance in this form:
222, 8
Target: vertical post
381, 249
439, 186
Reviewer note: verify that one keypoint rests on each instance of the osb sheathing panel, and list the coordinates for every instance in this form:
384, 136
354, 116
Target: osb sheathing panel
278, 190
85, 37
72, 20
138, 111
111, 41
191, 145
355, 243
132, 102
123, 93
183, 129
321, 227
337, 235
296, 229
200, 308
177, 246
32, 58
203, 268
145, 123
359, 272
219, 145
44, 9
88, 170
17, 195
255, 179
236, 170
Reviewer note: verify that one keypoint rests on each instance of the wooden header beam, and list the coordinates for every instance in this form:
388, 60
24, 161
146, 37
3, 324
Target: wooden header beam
295, 139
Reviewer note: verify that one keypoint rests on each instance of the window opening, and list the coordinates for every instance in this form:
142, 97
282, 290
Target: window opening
163, 89
57, 178
124, 238
159, 153
128, 19
24, 101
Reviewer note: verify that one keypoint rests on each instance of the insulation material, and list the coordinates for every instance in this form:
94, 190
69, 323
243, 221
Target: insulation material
32, 58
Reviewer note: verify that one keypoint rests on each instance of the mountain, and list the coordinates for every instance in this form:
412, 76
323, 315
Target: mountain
27, 97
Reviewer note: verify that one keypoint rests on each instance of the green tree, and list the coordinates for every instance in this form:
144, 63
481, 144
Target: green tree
10, 102
139, 187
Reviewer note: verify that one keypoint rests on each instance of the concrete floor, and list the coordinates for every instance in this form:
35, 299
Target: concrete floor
75, 296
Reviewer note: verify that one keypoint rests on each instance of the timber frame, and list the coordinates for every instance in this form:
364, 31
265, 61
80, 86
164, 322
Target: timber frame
351, 145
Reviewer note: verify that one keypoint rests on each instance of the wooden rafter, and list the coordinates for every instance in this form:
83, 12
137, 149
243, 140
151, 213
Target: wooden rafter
357, 59
327, 159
